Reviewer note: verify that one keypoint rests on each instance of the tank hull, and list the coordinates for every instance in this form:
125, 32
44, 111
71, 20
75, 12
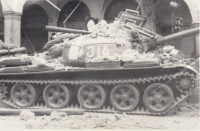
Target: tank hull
108, 79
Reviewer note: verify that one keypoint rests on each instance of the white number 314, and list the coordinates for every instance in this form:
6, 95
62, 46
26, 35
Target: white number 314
100, 51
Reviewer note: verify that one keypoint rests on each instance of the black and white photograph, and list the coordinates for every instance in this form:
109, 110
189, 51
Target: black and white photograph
99, 64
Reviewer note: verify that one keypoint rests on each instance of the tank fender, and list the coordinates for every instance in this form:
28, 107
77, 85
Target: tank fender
188, 67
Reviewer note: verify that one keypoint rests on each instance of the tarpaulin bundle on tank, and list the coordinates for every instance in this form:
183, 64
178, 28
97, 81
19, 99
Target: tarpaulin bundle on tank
11, 51
8, 61
23, 69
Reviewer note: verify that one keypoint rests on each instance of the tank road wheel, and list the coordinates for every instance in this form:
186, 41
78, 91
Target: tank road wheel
158, 98
56, 95
91, 97
23, 95
124, 97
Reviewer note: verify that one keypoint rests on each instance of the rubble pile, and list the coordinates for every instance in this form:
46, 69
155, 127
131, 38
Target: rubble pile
114, 57
26, 115
186, 109
168, 54
113, 30
107, 121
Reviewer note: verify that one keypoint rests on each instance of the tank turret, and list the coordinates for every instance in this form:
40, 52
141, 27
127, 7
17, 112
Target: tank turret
109, 41
147, 45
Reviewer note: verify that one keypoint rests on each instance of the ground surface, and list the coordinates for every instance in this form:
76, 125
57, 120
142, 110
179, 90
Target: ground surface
187, 117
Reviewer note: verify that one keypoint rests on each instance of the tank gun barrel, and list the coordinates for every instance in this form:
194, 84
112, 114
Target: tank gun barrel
66, 30
162, 40
181, 34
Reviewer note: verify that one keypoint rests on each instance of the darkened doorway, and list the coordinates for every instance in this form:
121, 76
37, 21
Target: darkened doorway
77, 19
34, 20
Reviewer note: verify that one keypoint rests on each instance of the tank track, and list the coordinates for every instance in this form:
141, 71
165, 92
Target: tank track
104, 109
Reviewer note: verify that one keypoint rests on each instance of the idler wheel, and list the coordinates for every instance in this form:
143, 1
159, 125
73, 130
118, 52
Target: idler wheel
124, 97
91, 97
23, 95
56, 95
158, 98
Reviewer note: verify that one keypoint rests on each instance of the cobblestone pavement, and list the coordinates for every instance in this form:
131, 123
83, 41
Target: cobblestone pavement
184, 119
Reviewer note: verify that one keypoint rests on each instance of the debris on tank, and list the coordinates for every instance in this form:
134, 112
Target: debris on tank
166, 54
129, 55
39, 61
114, 57
169, 55
6, 45
113, 30
48, 60
167, 48
91, 26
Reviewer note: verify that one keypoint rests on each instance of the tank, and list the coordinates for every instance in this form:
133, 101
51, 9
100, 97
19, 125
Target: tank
117, 67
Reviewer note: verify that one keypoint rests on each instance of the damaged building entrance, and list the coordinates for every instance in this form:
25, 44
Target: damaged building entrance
33, 34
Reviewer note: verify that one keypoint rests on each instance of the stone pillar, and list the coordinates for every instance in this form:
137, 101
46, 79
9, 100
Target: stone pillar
194, 98
12, 28
52, 19
194, 25
12, 10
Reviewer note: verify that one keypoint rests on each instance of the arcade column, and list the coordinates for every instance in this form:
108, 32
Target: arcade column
12, 28
12, 10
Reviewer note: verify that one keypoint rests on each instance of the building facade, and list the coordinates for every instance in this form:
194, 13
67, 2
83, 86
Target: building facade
23, 23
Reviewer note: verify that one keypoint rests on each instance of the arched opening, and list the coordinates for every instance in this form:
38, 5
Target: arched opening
166, 15
116, 6
77, 19
33, 34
